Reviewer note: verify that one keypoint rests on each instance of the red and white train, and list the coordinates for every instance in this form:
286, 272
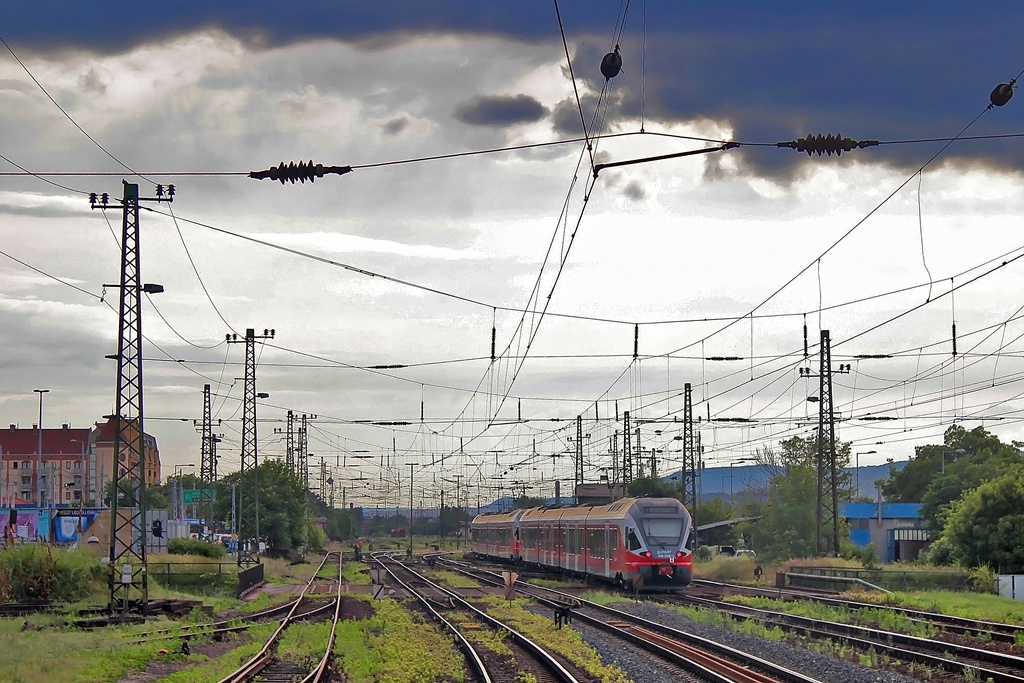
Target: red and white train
631, 542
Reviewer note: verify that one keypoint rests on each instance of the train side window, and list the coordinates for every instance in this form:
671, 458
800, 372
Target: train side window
632, 541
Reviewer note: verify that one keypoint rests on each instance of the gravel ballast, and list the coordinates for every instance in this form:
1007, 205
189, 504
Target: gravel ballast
644, 667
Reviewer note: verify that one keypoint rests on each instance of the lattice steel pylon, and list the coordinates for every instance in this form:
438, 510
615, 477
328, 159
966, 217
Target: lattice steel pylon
127, 568
247, 495
579, 452
627, 452
827, 537
302, 462
689, 473
289, 443
207, 464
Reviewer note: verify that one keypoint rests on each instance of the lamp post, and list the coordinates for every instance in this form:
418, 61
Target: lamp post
39, 449
731, 464
958, 451
858, 454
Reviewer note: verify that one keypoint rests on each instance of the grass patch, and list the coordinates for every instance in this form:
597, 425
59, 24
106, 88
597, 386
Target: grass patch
880, 618
72, 656
356, 573
451, 579
304, 643
396, 646
565, 641
205, 670
978, 606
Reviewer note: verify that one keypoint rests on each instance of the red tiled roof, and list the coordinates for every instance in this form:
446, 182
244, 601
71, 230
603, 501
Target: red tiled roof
66, 441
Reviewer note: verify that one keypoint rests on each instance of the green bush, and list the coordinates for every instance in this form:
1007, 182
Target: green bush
37, 571
188, 546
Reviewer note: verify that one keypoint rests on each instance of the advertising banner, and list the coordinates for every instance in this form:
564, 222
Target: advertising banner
66, 524
25, 525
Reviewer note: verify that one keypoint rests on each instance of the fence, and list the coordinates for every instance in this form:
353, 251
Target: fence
193, 574
889, 579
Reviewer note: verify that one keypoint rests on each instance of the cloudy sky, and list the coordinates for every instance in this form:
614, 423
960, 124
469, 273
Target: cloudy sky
410, 260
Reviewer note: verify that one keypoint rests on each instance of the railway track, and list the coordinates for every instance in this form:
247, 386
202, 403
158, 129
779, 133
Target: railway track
985, 630
972, 663
699, 658
265, 664
529, 657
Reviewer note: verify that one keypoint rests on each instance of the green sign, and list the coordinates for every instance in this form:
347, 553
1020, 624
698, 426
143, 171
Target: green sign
193, 496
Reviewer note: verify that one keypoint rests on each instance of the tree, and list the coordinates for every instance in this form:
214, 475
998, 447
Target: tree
282, 509
655, 488
788, 525
986, 526
958, 446
971, 458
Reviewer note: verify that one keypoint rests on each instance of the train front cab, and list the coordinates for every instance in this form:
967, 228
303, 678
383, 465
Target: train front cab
656, 533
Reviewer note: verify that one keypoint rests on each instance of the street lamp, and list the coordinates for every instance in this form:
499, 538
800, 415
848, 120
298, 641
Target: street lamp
958, 451
857, 455
731, 464
39, 448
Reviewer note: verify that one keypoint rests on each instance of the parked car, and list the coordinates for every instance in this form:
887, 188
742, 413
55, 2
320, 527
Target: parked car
745, 552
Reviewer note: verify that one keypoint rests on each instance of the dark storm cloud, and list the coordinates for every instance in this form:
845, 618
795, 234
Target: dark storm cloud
500, 110
777, 75
869, 70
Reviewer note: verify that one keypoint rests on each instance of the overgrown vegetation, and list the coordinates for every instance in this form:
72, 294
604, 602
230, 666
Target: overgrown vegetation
395, 645
565, 641
37, 571
190, 546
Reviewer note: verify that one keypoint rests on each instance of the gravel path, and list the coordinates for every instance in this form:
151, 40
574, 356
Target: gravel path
643, 667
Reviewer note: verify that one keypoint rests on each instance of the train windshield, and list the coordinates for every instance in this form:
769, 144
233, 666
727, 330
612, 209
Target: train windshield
664, 532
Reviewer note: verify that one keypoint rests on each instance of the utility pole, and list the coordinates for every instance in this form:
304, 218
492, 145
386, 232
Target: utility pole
128, 524
827, 538
627, 452
248, 493
690, 460
39, 451
207, 464
411, 465
289, 450
323, 481
458, 510
579, 453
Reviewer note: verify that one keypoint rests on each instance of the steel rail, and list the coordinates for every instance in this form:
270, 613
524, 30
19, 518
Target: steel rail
899, 645
324, 667
993, 630
467, 648
539, 653
262, 658
779, 672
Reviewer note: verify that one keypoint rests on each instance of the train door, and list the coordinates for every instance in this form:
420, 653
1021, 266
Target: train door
607, 549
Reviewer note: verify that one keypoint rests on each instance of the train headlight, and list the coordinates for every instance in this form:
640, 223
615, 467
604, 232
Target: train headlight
646, 553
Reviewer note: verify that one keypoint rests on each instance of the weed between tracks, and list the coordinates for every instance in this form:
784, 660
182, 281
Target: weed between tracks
396, 646
880, 618
565, 641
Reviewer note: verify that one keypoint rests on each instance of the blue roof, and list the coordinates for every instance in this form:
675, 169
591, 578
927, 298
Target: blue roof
889, 510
